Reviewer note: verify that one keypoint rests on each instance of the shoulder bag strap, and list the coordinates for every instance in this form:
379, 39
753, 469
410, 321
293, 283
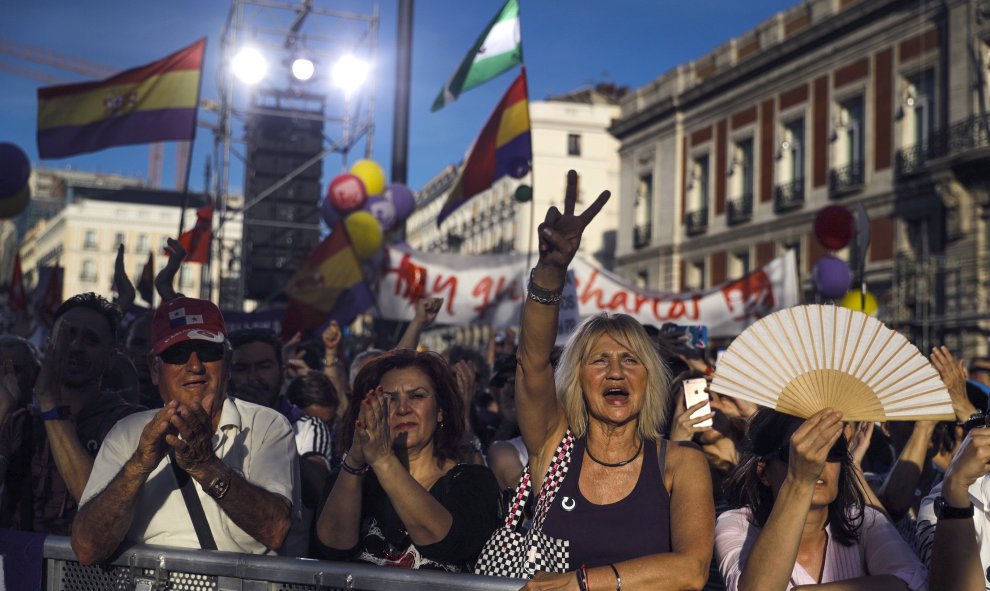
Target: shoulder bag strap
516, 509
554, 477
193, 505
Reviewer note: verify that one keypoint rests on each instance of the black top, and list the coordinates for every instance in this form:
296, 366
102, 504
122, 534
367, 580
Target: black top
469, 492
637, 525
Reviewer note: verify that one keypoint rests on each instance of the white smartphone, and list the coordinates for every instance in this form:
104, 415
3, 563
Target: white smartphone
694, 392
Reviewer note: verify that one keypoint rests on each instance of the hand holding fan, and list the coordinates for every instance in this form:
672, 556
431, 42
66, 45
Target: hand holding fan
803, 359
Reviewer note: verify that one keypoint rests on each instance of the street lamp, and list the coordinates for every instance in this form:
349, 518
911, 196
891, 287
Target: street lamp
249, 65
349, 73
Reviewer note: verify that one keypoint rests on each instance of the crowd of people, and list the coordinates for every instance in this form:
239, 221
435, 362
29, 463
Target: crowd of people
579, 467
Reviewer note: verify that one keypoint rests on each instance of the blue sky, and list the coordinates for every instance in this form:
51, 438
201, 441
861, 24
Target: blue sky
566, 45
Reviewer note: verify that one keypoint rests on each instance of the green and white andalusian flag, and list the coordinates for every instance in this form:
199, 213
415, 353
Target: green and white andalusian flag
497, 49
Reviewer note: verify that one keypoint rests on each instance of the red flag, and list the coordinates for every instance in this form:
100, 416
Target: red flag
197, 241
146, 285
18, 297
52, 297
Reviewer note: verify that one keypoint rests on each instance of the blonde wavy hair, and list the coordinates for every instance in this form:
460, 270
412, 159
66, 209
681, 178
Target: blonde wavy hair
630, 334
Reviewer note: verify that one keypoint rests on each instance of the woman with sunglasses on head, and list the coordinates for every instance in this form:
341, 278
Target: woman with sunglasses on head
802, 521
403, 496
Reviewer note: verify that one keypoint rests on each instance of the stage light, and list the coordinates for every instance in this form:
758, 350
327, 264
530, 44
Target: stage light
249, 65
302, 69
349, 73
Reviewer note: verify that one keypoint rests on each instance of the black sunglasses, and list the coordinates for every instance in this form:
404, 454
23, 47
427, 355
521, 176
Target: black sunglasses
179, 354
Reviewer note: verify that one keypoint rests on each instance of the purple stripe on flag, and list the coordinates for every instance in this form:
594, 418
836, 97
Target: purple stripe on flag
138, 127
352, 302
513, 158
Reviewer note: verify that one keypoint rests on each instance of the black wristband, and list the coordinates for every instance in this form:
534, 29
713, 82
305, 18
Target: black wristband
975, 420
59, 413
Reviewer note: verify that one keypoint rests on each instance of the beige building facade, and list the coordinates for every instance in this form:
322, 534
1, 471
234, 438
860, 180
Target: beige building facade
83, 237
726, 160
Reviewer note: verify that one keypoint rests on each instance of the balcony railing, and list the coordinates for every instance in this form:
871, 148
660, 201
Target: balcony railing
740, 209
642, 235
847, 179
788, 196
697, 221
969, 134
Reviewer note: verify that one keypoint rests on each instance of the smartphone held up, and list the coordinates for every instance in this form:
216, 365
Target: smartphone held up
694, 392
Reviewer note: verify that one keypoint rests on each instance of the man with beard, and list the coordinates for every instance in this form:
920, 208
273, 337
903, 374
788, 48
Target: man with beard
203, 449
47, 450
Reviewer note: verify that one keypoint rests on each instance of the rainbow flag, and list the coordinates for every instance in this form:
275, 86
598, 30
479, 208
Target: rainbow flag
504, 147
330, 285
152, 103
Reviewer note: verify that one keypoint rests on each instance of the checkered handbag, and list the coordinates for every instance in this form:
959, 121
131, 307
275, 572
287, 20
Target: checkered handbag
512, 552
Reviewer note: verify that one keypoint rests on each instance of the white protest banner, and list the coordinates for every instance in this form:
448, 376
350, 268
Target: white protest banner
489, 290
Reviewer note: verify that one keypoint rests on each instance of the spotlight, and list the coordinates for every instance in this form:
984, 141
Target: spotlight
249, 65
302, 69
349, 73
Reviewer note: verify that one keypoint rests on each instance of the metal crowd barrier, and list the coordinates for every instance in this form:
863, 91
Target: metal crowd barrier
157, 568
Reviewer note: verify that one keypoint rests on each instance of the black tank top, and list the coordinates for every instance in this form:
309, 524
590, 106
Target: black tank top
638, 525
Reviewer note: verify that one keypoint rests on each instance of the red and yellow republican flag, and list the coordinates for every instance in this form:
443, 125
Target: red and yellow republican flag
152, 103
330, 285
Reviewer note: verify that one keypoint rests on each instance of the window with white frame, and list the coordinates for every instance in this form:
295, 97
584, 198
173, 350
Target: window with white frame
741, 169
790, 153
89, 241
739, 264
643, 208
698, 183
185, 277
848, 132
118, 239
917, 108
695, 279
573, 144
142, 244
88, 270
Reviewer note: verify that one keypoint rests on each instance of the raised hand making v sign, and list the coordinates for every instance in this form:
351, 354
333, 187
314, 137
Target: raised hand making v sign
560, 235
607, 408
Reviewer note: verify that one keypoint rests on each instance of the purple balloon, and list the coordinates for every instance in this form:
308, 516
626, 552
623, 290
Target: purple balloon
330, 214
402, 200
832, 277
383, 210
15, 168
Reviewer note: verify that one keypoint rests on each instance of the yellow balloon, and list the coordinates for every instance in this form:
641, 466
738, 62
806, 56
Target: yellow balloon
854, 301
13, 205
365, 234
371, 174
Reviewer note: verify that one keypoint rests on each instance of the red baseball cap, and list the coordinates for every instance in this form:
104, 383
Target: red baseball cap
183, 319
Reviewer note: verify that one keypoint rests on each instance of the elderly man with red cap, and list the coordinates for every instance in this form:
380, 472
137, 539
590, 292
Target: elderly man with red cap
207, 470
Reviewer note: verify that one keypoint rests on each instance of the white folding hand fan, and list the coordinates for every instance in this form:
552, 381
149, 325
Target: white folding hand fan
803, 359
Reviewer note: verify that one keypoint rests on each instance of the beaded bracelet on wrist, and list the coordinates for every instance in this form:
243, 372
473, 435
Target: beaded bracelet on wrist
353, 471
542, 295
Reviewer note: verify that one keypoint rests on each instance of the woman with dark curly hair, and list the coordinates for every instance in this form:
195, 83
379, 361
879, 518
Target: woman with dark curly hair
402, 496
802, 518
